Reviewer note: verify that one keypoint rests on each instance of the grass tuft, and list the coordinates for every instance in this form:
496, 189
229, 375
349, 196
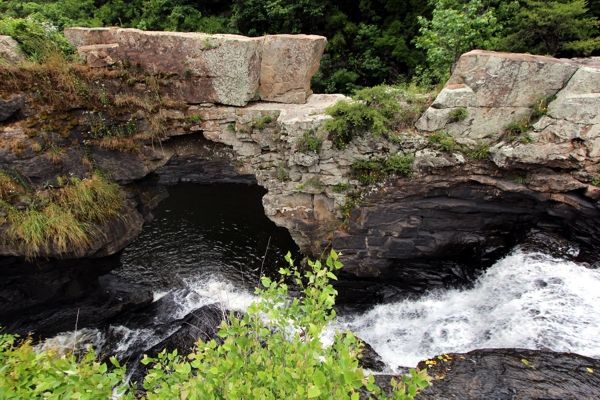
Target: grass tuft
59, 219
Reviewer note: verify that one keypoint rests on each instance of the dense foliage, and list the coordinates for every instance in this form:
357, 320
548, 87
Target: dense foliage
370, 41
273, 351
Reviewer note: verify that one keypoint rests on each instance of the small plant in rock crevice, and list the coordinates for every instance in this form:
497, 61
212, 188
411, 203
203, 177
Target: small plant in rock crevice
540, 107
458, 114
310, 142
520, 127
376, 169
595, 181
313, 182
341, 187
194, 118
281, 173
445, 142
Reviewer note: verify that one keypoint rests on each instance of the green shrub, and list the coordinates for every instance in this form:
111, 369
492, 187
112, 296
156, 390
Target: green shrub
309, 141
25, 374
274, 350
39, 41
376, 110
595, 181
445, 142
458, 114
376, 169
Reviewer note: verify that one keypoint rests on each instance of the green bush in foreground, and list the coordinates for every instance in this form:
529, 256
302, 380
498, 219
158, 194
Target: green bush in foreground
273, 351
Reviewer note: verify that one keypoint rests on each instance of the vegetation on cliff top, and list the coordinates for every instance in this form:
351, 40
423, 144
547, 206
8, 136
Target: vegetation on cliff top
370, 42
273, 351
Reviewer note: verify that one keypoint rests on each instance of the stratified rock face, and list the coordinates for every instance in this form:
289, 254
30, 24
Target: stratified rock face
419, 233
224, 69
499, 88
10, 51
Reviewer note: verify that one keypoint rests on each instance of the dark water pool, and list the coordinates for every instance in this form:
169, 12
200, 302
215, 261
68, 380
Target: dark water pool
201, 232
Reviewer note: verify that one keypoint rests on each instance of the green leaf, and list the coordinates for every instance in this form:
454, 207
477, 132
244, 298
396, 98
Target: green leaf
313, 392
319, 378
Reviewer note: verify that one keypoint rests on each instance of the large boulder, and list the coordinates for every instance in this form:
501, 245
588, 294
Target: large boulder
10, 51
496, 89
288, 63
225, 69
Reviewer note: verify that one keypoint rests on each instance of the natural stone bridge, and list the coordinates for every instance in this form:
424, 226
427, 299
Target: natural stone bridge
237, 108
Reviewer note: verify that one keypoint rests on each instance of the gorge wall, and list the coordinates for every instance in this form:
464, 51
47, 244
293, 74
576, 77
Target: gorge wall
224, 108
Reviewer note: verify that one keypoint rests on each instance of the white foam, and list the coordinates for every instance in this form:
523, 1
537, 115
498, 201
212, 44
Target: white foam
66, 342
199, 293
525, 300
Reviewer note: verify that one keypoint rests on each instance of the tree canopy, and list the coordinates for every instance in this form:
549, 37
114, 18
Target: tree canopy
371, 42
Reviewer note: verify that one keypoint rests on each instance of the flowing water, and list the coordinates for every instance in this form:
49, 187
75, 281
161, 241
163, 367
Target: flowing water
207, 245
531, 301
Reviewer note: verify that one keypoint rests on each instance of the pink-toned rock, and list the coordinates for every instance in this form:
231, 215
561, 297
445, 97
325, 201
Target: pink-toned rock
10, 51
288, 63
99, 55
224, 69
509, 79
89, 36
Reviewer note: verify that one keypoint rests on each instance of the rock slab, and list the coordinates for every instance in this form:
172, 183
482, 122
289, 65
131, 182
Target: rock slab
224, 69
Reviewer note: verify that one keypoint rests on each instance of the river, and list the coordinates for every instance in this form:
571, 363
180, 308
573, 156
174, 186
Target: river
210, 244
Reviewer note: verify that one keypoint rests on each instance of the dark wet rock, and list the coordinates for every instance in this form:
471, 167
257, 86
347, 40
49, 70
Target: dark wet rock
510, 374
370, 359
201, 324
201, 170
56, 296
194, 159
443, 231
11, 105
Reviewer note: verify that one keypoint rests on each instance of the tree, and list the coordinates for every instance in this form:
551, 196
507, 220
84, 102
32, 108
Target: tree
455, 28
554, 28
